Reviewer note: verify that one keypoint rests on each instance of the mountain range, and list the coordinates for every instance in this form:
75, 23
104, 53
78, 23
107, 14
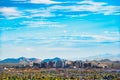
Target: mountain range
36, 60
20, 60
52, 60
103, 56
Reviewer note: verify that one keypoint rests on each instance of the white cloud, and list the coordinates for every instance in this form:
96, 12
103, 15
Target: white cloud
42, 24
44, 13
10, 12
94, 7
114, 33
90, 2
13, 13
87, 5
109, 10
44, 2
101, 38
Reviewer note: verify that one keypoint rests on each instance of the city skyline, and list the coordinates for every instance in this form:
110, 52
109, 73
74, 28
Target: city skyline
58, 28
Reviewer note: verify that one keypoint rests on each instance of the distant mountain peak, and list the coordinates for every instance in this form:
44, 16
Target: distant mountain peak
56, 59
19, 60
104, 56
53, 59
22, 57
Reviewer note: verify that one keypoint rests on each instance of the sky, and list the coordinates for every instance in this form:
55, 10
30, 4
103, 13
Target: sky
59, 28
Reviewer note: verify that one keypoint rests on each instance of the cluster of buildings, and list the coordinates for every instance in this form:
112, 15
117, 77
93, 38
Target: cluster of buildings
60, 63
63, 63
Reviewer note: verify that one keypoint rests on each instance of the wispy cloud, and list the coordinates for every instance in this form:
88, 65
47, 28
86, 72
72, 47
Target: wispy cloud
57, 26
14, 13
10, 12
44, 2
86, 38
90, 2
42, 24
40, 12
73, 41
90, 6
76, 9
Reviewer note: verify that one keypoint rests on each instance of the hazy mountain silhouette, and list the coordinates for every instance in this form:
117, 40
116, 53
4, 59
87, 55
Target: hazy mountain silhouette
36, 60
19, 60
104, 56
53, 59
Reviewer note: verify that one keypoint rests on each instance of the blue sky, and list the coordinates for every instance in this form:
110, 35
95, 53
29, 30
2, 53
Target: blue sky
59, 28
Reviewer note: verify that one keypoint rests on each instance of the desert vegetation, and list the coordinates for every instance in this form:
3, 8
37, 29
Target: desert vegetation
59, 74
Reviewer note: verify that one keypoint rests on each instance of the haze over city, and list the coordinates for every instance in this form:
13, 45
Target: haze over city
59, 28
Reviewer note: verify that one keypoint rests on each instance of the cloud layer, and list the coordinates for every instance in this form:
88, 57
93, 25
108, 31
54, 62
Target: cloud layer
56, 26
62, 9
